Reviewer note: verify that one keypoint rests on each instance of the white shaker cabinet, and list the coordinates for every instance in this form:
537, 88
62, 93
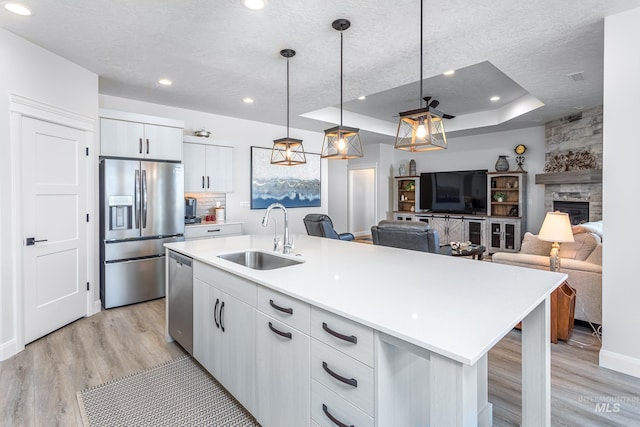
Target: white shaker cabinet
208, 168
283, 378
139, 136
224, 330
283, 346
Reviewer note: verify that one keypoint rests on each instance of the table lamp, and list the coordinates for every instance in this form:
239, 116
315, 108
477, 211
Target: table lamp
556, 228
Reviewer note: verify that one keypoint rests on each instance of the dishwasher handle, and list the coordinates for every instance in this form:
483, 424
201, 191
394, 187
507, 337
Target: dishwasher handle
180, 259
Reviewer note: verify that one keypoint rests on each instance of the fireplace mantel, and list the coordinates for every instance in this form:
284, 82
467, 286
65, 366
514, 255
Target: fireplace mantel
590, 176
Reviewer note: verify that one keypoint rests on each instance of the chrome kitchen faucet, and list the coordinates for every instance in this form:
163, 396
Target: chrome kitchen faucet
288, 245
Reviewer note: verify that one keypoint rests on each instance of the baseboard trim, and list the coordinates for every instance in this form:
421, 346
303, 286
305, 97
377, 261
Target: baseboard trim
620, 363
8, 349
97, 307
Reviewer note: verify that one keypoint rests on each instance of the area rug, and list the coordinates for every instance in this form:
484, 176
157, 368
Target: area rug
176, 393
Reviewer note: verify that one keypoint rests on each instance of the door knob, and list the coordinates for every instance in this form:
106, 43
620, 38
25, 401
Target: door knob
32, 241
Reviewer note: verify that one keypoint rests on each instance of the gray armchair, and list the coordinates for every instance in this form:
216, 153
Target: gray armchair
414, 235
321, 225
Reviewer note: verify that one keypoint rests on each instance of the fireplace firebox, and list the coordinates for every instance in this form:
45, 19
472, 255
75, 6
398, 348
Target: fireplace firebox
578, 211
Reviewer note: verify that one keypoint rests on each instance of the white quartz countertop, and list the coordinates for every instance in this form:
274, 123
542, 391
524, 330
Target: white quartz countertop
454, 306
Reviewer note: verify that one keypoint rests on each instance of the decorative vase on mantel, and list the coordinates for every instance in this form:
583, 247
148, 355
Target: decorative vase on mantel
502, 164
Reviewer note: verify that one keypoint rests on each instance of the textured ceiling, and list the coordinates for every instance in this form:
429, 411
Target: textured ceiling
218, 52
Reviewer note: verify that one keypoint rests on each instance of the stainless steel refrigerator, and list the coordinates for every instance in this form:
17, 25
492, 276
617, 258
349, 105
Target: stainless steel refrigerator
142, 207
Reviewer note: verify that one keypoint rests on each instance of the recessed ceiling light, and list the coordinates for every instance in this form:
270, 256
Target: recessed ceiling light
18, 9
253, 4
165, 82
450, 72
362, 97
495, 98
247, 100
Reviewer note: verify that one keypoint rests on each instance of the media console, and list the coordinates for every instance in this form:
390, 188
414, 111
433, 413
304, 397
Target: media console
500, 230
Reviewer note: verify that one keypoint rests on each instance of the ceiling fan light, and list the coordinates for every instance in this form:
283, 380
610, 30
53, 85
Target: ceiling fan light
341, 143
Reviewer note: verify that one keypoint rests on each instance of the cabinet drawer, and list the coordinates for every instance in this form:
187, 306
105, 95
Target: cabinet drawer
350, 337
326, 404
327, 362
284, 308
231, 284
211, 230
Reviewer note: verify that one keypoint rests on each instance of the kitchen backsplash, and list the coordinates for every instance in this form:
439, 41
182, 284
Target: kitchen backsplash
207, 202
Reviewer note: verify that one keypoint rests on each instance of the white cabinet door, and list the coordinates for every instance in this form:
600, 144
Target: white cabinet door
206, 334
238, 350
162, 142
219, 169
208, 168
194, 167
283, 374
120, 138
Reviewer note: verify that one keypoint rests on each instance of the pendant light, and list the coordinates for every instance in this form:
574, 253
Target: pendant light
341, 142
421, 129
288, 151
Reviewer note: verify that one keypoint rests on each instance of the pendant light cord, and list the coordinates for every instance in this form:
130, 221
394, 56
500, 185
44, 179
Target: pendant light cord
421, 19
341, 48
287, 98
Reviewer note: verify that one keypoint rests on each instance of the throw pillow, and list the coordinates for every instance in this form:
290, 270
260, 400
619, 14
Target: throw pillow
534, 246
581, 248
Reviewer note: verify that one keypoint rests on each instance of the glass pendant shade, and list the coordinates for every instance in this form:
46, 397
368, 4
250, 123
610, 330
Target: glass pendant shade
419, 130
288, 152
341, 143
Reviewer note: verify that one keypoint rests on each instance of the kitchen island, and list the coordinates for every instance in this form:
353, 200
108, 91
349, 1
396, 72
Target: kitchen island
424, 324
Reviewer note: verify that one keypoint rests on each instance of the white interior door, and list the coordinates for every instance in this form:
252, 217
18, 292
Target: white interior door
362, 200
54, 195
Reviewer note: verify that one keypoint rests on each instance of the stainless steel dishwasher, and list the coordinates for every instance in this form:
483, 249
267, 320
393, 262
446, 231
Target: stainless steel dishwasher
181, 300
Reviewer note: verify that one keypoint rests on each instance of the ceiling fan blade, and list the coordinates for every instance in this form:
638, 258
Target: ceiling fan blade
448, 116
434, 103
426, 99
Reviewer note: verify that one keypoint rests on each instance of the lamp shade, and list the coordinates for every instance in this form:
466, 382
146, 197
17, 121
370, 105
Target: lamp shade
556, 228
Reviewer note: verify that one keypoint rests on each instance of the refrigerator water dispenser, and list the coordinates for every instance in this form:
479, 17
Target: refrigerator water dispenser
120, 212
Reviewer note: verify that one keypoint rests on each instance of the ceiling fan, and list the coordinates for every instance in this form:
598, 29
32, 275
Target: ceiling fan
432, 108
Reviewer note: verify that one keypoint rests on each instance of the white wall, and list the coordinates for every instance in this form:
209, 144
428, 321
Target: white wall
32, 72
621, 294
242, 134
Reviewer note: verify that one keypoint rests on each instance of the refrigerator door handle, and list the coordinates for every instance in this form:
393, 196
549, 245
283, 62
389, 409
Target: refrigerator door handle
144, 199
136, 198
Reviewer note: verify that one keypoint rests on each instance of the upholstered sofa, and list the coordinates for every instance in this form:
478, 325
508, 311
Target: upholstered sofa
580, 260
414, 235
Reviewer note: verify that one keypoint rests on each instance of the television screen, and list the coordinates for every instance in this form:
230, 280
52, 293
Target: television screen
454, 192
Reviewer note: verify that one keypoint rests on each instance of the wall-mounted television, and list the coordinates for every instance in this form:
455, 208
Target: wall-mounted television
463, 192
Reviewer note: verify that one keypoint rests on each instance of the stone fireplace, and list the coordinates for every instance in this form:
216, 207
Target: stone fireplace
577, 192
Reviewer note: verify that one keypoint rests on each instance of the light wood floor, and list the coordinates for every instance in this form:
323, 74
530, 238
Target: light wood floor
38, 386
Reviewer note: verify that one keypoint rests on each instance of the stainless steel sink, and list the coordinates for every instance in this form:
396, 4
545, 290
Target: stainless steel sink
259, 260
